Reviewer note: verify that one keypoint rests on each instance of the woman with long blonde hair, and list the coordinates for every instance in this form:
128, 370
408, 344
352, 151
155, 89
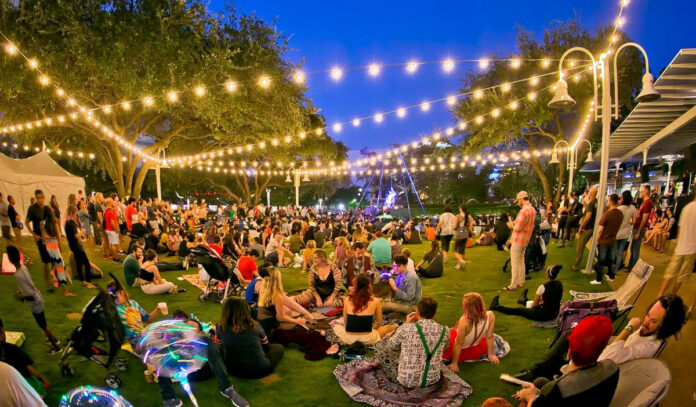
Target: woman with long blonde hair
472, 336
324, 281
307, 255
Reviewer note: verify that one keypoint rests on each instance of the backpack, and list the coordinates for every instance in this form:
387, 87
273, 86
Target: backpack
573, 312
462, 231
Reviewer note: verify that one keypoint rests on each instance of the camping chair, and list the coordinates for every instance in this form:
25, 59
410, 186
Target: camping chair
630, 289
642, 383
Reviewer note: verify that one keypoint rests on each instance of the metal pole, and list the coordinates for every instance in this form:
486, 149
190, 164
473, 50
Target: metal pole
297, 189
405, 188
669, 175
159, 184
604, 169
268, 197
571, 171
379, 193
413, 184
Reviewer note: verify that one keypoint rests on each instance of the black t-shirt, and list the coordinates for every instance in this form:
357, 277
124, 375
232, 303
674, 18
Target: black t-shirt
590, 208
502, 231
435, 265
35, 215
591, 386
15, 357
12, 214
70, 231
552, 296
92, 209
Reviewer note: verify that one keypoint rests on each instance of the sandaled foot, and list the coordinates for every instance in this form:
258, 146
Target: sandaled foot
68, 294
333, 349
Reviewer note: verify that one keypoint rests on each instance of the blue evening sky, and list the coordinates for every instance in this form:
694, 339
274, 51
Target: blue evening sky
351, 33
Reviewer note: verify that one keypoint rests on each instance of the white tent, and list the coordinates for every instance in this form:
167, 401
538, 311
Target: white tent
20, 178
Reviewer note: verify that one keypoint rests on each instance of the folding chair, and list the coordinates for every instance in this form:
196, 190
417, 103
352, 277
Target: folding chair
627, 295
642, 383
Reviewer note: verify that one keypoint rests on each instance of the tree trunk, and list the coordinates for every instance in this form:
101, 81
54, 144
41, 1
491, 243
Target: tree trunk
548, 194
561, 181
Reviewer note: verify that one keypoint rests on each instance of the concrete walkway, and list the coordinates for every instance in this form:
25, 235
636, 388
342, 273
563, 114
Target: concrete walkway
679, 355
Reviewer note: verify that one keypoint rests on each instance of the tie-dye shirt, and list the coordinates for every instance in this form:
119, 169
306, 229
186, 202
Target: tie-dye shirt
132, 317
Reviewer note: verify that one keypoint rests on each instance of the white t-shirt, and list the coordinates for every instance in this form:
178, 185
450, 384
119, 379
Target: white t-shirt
686, 241
541, 290
15, 390
411, 266
446, 224
629, 211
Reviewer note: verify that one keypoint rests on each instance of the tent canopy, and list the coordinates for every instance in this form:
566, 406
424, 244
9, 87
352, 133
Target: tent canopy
21, 177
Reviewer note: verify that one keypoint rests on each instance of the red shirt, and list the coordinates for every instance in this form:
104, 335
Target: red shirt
216, 247
247, 266
130, 211
109, 219
645, 209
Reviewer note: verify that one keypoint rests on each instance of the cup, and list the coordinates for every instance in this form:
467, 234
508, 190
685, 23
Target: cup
163, 308
149, 377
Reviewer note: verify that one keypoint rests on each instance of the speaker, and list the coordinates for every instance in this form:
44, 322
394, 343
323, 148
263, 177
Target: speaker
619, 180
644, 175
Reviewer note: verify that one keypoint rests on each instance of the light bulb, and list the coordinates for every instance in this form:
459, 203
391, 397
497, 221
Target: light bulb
515, 63
199, 90
545, 62
534, 81
451, 100
356, 122
448, 65
412, 66
264, 82
425, 106
60, 92
299, 77
230, 86
126, 105
478, 94
532, 95
479, 119
401, 112
620, 21
148, 101
10, 49
303, 135
44, 80
483, 63
337, 127
107, 109
373, 69
33, 64
495, 112
379, 117
336, 73
461, 126
514, 105
172, 96
506, 87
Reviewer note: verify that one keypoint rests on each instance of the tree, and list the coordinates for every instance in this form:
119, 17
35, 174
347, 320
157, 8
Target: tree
532, 125
105, 52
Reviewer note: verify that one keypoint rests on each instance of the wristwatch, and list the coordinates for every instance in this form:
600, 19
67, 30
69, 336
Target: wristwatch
629, 328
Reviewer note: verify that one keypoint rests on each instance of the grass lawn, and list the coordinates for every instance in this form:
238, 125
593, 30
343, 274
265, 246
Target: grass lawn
296, 382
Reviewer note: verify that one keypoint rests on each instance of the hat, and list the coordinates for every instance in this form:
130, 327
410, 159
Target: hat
588, 339
522, 194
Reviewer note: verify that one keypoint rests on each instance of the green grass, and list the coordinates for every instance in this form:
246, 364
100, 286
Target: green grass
298, 382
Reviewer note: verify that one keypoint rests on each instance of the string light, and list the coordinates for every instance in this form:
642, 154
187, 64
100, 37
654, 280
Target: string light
379, 117
448, 65
172, 96
425, 106
412, 67
231, 85
299, 77
356, 122
401, 112
336, 73
483, 63
199, 90
373, 69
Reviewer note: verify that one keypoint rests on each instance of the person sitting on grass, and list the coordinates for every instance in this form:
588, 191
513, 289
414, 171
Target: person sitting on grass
29, 293
405, 286
362, 315
406, 252
357, 261
14, 356
245, 347
139, 274
434, 259
324, 280
546, 303
276, 253
412, 355
246, 268
472, 336
134, 319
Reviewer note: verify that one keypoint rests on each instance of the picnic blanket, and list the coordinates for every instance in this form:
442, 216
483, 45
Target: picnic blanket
364, 381
194, 280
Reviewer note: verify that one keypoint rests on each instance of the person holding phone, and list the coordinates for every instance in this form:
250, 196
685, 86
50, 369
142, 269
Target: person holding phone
405, 286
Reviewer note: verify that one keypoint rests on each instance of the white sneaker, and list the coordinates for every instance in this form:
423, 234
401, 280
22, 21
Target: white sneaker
610, 279
595, 282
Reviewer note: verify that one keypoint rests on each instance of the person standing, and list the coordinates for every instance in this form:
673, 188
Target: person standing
609, 226
14, 221
682, 263
586, 226
521, 233
4, 219
640, 225
444, 230
463, 225
629, 211
35, 216
111, 229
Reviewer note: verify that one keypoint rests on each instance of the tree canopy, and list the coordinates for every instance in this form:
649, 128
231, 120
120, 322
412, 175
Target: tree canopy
105, 52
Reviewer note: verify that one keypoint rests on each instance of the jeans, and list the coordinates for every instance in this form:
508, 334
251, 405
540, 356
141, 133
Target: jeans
585, 236
554, 359
605, 257
83, 268
635, 248
619, 249
216, 364
533, 314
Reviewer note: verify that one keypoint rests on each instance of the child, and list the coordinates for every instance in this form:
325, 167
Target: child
307, 254
51, 236
28, 292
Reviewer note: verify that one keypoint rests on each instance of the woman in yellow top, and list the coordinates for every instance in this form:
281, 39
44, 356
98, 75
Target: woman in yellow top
307, 255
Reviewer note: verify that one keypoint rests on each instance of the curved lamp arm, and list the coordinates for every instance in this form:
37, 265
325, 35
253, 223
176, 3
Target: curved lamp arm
594, 71
616, 77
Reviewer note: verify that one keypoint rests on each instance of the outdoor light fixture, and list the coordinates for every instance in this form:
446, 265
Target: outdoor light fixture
287, 179
561, 98
554, 158
648, 93
305, 178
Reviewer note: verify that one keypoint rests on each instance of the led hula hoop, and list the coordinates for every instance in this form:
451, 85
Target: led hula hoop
84, 396
174, 349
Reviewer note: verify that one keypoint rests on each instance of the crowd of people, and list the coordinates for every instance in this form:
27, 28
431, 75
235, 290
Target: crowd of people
359, 269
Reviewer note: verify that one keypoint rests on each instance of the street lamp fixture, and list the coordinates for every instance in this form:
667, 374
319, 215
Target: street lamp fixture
561, 98
648, 93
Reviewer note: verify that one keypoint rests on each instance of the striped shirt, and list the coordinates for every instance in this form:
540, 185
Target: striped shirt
523, 226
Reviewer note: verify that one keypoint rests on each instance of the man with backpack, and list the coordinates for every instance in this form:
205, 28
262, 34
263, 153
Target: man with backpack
462, 226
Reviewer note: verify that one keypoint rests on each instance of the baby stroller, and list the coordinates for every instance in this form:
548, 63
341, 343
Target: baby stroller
99, 323
213, 271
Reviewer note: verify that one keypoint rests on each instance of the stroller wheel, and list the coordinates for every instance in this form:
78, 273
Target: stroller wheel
121, 365
112, 381
66, 371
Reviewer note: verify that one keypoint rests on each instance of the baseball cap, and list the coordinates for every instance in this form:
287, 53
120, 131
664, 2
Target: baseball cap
522, 194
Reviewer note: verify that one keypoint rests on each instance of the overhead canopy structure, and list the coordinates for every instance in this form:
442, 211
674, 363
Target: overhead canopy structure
663, 127
20, 177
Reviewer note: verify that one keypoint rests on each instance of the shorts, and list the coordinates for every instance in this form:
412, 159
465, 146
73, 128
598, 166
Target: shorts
112, 236
445, 241
460, 246
87, 230
680, 267
43, 253
6, 232
40, 319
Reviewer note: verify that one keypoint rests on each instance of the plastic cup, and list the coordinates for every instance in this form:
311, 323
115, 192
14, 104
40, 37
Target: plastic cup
149, 377
163, 307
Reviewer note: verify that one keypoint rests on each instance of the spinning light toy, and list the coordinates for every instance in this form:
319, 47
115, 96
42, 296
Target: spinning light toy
94, 397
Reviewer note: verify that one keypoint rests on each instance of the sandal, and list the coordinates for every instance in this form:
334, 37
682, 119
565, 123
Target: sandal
506, 288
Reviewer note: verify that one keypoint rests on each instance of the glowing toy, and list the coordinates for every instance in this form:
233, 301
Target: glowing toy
174, 349
94, 397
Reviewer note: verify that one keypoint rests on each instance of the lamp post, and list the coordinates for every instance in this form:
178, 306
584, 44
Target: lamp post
571, 159
297, 179
562, 99
162, 163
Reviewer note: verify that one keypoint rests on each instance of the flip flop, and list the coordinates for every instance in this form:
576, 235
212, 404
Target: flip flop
506, 288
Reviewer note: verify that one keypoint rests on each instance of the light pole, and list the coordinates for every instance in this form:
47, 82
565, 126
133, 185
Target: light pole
562, 99
571, 159
161, 163
296, 175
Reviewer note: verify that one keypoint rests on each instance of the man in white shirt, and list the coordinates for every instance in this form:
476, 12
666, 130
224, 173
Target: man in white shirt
4, 219
642, 338
15, 390
682, 263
